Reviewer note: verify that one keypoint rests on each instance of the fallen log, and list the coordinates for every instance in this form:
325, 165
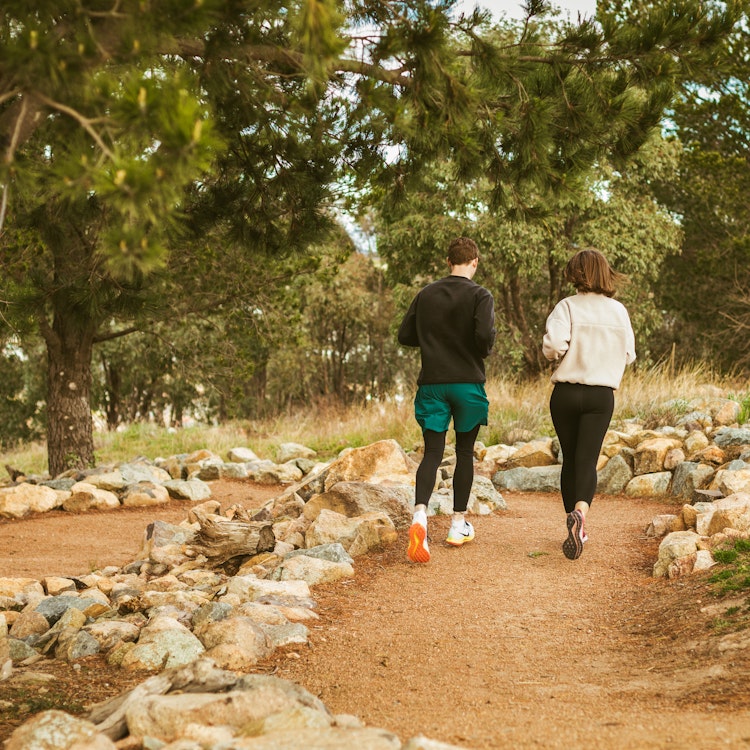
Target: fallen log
221, 539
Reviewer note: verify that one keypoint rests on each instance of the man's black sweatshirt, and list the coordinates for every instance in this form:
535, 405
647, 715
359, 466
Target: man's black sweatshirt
452, 321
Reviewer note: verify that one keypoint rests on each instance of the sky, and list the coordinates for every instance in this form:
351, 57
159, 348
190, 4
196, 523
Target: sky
513, 8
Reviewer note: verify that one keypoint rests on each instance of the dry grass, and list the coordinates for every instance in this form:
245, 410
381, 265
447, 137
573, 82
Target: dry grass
518, 411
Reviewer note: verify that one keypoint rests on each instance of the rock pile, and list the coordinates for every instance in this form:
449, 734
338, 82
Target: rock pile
226, 586
198, 706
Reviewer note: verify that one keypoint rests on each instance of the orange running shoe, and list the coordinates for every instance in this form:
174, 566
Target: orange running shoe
419, 550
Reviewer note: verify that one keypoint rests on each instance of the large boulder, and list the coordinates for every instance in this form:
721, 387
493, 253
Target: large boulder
19, 501
383, 462
357, 498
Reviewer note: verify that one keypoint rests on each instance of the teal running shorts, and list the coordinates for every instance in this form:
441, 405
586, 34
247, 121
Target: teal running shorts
467, 403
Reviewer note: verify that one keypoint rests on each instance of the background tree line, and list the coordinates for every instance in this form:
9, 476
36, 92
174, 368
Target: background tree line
173, 186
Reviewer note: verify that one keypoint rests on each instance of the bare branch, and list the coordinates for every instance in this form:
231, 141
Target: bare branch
85, 122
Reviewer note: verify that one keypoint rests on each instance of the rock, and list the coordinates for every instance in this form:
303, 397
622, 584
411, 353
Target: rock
241, 455
145, 494
54, 608
534, 453
84, 496
614, 476
696, 441
291, 451
19, 501
331, 552
422, 743
332, 738
726, 412
357, 535
484, 498
59, 731
163, 643
312, 570
108, 633
107, 480
54, 585
381, 462
249, 588
535, 479
194, 489
29, 622
650, 454
169, 717
357, 498
649, 485
276, 474
674, 457
12, 587
711, 455
729, 436
731, 512
136, 472
674, 546
689, 476
661, 525
236, 643
730, 481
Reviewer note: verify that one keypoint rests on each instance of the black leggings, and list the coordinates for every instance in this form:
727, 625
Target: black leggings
581, 415
463, 476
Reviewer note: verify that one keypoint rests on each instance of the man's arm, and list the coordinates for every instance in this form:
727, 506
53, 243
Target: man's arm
407, 332
484, 324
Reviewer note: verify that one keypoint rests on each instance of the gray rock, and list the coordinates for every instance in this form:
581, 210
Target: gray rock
333, 552
726, 436
614, 476
534, 479
689, 476
164, 643
236, 643
193, 489
54, 607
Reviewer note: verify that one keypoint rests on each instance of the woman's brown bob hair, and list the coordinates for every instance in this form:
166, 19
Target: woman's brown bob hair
589, 271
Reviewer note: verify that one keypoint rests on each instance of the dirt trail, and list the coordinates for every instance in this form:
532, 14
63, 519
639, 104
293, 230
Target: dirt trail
503, 643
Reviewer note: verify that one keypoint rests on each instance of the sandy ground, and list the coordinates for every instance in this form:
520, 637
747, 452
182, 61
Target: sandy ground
503, 643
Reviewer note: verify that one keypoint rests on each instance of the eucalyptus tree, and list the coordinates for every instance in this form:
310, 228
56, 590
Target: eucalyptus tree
133, 132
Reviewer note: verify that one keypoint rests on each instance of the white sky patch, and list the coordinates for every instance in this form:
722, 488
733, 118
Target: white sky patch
514, 8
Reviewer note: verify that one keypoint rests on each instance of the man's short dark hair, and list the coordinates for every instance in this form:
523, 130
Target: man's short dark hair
461, 251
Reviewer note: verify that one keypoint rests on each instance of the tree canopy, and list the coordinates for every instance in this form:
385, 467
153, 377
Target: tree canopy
149, 147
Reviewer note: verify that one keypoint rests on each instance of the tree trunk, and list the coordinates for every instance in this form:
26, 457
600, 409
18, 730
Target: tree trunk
70, 434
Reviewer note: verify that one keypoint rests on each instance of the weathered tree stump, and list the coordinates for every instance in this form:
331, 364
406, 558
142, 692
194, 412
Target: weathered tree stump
221, 539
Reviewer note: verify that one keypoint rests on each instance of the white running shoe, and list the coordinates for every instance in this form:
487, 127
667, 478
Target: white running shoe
460, 533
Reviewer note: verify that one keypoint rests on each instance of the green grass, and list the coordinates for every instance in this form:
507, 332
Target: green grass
732, 578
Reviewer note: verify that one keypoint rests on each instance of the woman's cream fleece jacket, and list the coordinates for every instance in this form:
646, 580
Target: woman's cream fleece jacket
591, 336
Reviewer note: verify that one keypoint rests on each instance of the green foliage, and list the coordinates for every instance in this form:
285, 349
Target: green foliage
732, 578
704, 292
734, 575
20, 395
522, 262
744, 415
148, 155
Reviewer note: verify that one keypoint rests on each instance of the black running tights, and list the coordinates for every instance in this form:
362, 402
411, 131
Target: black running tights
463, 476
581, 415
